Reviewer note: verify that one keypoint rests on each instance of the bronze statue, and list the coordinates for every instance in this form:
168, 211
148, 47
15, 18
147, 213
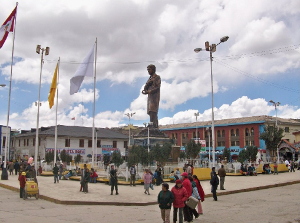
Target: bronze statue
152, 89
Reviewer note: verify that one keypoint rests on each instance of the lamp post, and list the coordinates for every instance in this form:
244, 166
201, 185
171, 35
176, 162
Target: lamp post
196, 114
276, 104
38, 51
129, 115
2, 85
96, 145
208, 129
212, 48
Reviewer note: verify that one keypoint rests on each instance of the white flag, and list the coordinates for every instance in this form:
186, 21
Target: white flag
85, 69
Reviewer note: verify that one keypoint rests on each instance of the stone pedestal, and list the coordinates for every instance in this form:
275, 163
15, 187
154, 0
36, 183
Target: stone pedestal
155, 137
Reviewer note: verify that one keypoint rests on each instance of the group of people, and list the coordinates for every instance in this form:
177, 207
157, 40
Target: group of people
178, 197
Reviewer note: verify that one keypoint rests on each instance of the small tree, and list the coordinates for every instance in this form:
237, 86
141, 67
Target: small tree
77, 158
182, 155
242, 156
49, 157
192, 149
161, 153
116, 158
63, 156
227, 154
106, 159
252, 153
272, 137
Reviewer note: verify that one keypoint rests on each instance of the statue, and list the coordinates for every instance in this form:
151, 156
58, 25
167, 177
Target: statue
152, 89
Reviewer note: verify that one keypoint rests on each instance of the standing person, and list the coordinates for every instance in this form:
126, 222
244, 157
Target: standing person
196, 195
55, 172
86, 180
40, 170
275, 168
93, 176
113, 180
158, 176
82, 177
201, 193
177, 172
22, 179
165, 199
11, 167
17, 167
214, 185
186, 183
60, 171
180, 196
222, 174
152, 89
292, 166
147, 181
189, 170
132, 171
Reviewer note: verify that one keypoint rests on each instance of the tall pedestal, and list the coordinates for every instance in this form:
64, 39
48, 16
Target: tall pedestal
155, 137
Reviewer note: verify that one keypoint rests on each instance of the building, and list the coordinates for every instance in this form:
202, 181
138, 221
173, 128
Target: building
74, 139
4, 133
235, 134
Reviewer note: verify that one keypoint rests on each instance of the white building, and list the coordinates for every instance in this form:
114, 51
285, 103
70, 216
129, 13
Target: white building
74, 139
4, 133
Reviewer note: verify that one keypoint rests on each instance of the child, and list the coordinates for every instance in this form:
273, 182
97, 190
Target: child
165, 199
22, 179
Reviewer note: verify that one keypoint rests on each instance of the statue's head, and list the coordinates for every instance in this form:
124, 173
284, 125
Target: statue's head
152, 67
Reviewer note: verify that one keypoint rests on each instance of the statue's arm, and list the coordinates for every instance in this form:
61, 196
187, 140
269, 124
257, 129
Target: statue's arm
157, 83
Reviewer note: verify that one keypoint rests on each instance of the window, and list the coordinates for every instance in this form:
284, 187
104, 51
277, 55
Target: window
194, 135
252, 131
33, 142
39, 141
173, 136
115, 144
90, 143
81, 142
219, 133
232, 132
183, 135
176, 136
219, 143
246, 132
237, 132
232, 143
247, 143
286, 129
252, 143
19, 142
99, 143
3, 142
67, 142
237, 143
125, 144
27, 142
223, 133
187, 135
24, 142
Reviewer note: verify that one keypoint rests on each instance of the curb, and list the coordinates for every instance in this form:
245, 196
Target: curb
56, 201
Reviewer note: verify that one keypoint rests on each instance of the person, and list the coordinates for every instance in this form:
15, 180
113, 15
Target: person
22, 179
132, 171
180, 196
158, 176
11, 167
178, 174
69, 174
152, 89
93, 176
60, 171
40, 170
172, 176
55, 172
222, 174
82, 177
196, 195
186, 183
86, 180
79, 172
292, 168
165, 199
275, 168
254, 170
286, 163
201, 193
113, 180
189, 170
147, 181
214, 185
17, 167
212, 172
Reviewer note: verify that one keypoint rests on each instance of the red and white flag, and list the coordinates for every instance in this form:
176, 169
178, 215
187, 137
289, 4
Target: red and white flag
8, 26
73, 118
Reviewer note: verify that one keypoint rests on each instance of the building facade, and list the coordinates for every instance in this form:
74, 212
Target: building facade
74, 139
4, 134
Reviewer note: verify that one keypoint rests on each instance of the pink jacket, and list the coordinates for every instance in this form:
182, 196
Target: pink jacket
186, 183
180, 196
147, 178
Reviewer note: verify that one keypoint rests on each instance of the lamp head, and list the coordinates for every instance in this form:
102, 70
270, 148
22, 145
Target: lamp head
224, 39
2, 85
47, 50
38, 49
197, 50
271, 101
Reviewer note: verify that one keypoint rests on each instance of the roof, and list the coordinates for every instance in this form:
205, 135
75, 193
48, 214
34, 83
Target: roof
234, 121
74, 131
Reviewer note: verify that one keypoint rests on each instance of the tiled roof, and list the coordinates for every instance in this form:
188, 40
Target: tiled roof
233, 121
75, 131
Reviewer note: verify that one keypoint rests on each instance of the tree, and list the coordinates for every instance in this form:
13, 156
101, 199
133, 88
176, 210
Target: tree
242, 156
106, 159
161, 153
227, 154
182, 155
63, 156
49, 157
138, 154
192, 149
77, 158
272, 137
116, 158
248, 154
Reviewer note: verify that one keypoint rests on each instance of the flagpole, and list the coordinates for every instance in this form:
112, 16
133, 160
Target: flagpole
57, 83
4, 171
93, 134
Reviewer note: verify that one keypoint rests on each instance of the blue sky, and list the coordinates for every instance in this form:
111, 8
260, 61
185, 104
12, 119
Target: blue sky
259, 62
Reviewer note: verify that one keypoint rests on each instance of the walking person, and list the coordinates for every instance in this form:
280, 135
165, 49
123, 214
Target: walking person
180, 196
60, 171
292, 168
165, 199
55, 172
186, 183
11, 167
132, 171
113, 180
214, 185
22, 179
147, 181
201, 193
222, 174
17, 167
196, 195
275, 168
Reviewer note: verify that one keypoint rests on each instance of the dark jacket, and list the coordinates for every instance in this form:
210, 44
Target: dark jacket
165, 200
55, 170
221, 172
214, 181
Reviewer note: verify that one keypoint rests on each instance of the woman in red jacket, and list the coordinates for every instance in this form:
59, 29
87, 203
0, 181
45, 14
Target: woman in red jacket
180, 196
201, 193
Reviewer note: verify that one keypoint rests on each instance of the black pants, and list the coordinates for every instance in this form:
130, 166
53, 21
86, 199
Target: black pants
114, 184
21, 192
187, 213
214, 191
194, 212
180, 215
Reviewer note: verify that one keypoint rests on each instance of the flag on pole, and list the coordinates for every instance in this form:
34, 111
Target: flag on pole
85, 69
53, 88
7, 26
73, 118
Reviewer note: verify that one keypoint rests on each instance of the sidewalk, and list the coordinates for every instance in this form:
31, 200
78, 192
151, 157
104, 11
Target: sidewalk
67, 191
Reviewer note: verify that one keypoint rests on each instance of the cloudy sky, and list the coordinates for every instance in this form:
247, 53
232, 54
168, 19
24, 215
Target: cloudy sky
259, 62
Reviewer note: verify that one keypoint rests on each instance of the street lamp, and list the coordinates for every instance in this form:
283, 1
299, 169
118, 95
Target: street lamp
96, 145
2, 85
212, 48
129, 115
196, 114
276, 104
38, 51
208, 129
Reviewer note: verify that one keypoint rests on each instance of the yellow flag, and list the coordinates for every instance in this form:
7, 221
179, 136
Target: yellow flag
53, 88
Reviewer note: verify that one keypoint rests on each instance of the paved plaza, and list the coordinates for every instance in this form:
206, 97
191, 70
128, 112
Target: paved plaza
278, 204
